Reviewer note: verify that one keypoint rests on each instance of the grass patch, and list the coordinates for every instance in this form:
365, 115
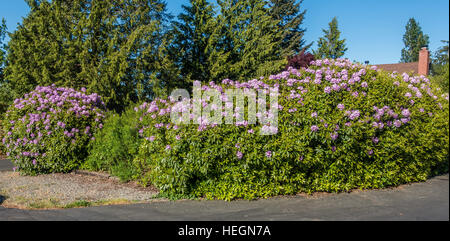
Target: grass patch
83, 203
28, 203
78, 204
174, 197
44, 204
114, 202
52, 203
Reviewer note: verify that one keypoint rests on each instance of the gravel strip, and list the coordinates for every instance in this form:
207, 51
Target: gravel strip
60, 190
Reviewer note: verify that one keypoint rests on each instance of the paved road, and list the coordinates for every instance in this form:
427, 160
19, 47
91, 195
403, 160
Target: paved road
5, 165
421, 201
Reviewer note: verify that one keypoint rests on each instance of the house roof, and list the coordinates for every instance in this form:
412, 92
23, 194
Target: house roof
401, 67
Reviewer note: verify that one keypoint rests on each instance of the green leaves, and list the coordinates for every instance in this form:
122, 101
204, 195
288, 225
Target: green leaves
290, 17
116, 49
6, 93
2, 47
206, 163
414, 39
440, 67
191, 45
247, 42
115, 146
331, 46
126, 52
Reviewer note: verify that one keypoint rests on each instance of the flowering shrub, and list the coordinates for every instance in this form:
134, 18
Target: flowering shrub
49, 129
341, 126
115, 146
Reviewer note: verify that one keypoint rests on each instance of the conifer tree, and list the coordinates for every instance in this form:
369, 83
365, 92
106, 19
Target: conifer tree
192, 32
291, 18
414, 39
42, 48
246, 42
440, 66
2, 47
5, 91
441, 56
111, 47
330, 45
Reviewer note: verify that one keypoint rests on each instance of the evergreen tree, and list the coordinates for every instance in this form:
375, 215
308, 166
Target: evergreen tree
442, 54
440, 66
330, 45
5, 91
414, 39
111, 47
290, 17
246, 42
192, 32
39, 52
2, 47
124, 43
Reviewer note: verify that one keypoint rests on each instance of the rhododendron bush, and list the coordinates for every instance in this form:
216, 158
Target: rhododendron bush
50, 128
340, 126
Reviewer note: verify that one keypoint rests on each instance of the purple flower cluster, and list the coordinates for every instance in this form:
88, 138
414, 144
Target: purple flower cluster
314, 128
239, 155
353, 115
48, 117
334, 136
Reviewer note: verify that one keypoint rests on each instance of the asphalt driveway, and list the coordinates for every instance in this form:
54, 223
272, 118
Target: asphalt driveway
5, 165
420, 201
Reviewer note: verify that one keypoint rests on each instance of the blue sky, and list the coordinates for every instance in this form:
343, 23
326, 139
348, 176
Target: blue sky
373, 28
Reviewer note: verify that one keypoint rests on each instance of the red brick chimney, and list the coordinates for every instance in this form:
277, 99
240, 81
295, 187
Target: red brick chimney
424, 61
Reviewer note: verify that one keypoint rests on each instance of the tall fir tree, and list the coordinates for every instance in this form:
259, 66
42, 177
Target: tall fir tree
441, 56
331, 45
5, 91
246, 42
39, 52
290, 16
112, 48
414, 39
191, 33
2, 47
124, 43
440, 66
